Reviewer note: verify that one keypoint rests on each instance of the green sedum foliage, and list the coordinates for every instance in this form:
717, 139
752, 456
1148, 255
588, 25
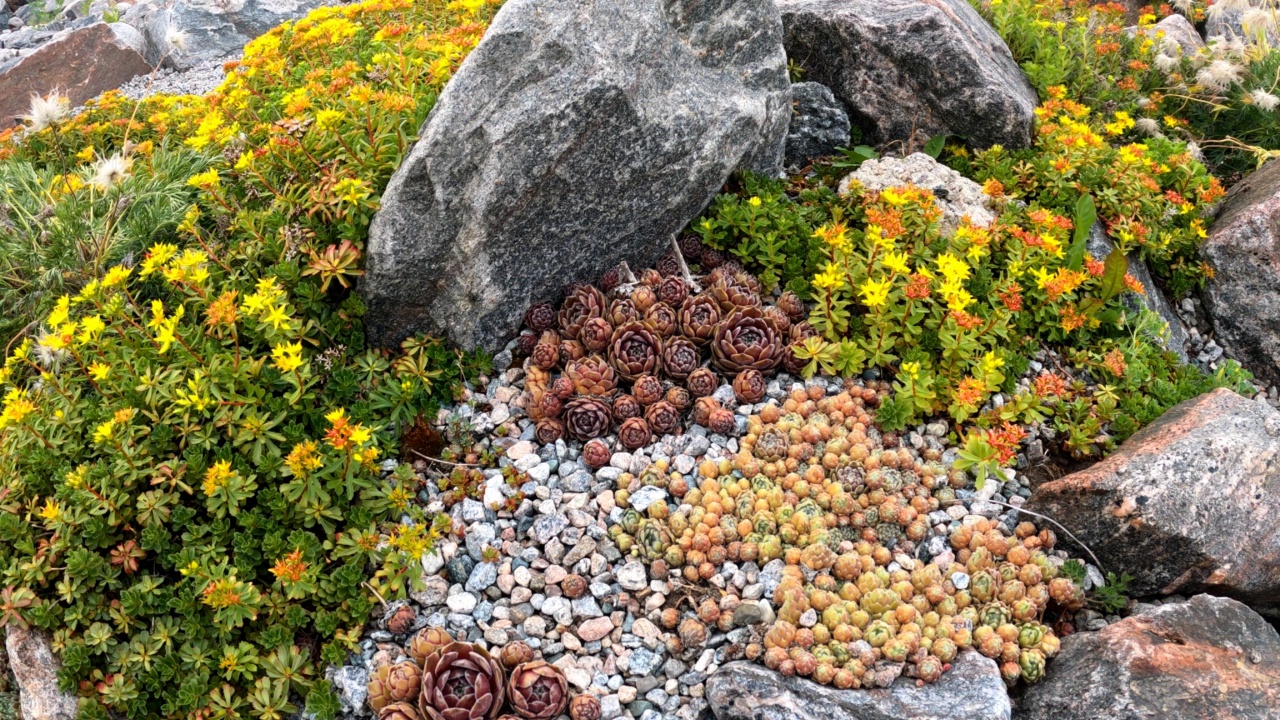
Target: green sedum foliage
195, 497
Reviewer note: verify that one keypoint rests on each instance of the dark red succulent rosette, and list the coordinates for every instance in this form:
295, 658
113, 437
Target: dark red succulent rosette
586, 417
581, 304
698, 317
680, 357
635, 350
461, 681
746, 339
634, 433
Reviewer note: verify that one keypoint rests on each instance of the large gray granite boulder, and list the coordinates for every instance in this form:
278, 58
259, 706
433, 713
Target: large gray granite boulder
1243, 296
184, 34
913, 67
1188, 504
970, 690
1209, 658
575, 136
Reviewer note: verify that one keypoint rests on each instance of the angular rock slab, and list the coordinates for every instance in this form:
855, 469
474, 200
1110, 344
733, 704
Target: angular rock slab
81, 64
1190, 503
575, 136
819, 124
1175, 337
907, 67
213, 29
970, 690
1209, 658
36, 670
1243, 296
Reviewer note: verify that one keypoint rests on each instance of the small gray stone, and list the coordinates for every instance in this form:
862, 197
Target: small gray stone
484, 575
644, 497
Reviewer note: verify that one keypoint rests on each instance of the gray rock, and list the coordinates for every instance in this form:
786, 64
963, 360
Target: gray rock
573, 137
482, 576
970, 690
644, 497
1209, 658
819, 124
210, 29
352, 685
632, 576
956, 195
1243, 297
36, 670
1174, 35
1153, 298
909, 66
1188, 504
1226, 22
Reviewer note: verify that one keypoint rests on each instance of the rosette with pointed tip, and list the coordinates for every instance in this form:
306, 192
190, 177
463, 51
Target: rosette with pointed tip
461, 681
635, 350
538, 691
746, 339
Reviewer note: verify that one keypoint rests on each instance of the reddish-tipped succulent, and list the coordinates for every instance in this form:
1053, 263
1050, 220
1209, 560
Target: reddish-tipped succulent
635, 350
581, 304
661, 318
691, 248
711, 259
526, 343
673, 291
611, 279
626, 406
622, 311
722, 421
679, 397
746, 339
585, 707
551, 404
749, 386
399, 711
540, 317
792, 305
517, 653
546, 355
587, 417
548, 430
592, 375
679, 357
571, 350
702, 409
732, 292
401, 621
427, 641
538, 691
701, 383
698, 318
394, 684
562, 388
668, 265
647, 389
663, 417
791, 362
634, 433
596, 454
643, 297
461, 681
596, 333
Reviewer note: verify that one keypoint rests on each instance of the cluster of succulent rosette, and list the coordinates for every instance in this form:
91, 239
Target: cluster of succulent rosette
445, 679
844, 507
637, 353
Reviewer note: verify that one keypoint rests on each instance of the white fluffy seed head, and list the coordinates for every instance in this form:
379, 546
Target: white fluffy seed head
1219, 75
1148, 126
111, 171
1186, 7
1166, 64
47, 111
1257, 22
1263, 99
175, 38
